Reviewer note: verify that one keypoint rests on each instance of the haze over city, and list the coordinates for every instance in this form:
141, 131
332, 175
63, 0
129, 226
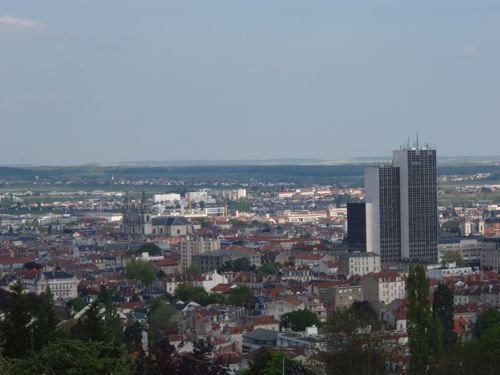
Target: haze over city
92, 81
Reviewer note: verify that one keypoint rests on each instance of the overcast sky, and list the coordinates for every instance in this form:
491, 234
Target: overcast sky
115, 80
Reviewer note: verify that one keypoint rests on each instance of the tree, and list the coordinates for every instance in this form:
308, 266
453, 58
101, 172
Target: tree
160, 318
266, 362
238, 265
423, 330
269, 269
16, 327
90, 326
132, 336
486, 320
451, 256
353, 347
77, 304
194, 270
299, 320
480, 356
150, 248
142, 270
241, 296
164, 359
74, 357
45, 325
113, 329
185, 292
442, 309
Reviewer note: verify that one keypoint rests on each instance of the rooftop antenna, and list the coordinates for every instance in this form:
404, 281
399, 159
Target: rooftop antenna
417, 140
408, 143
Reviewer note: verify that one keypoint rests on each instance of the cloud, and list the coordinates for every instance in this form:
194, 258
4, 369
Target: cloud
470, 51
25, 23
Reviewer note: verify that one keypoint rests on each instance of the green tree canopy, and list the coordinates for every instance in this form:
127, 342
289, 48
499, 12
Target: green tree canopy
188, 292
74, 357
161, 318
16, 328
269, 269
150, 248
132, 336
299, 320
354, 346
450, 256
442, 309
45, 325
486, 320
237, 265
424, 330
241, 296
268, 362
142, 270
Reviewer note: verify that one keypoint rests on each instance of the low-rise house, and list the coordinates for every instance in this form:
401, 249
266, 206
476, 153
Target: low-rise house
282, 306
169, 265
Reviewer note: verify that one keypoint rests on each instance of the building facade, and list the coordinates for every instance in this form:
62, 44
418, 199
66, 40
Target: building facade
358, 263
401, 207
356, 226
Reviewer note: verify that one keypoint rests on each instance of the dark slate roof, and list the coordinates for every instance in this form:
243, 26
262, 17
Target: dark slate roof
57, 275
261, 334
169, 220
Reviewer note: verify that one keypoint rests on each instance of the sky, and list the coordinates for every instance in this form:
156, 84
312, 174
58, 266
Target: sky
86, 81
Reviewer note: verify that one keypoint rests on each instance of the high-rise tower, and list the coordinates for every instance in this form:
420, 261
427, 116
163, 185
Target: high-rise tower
418, 187
401, 207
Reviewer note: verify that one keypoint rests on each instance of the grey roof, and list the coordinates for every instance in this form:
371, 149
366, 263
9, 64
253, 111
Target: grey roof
169, 220
57, 275
261, 334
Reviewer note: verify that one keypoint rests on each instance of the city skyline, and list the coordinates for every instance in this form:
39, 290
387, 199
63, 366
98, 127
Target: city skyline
91, 82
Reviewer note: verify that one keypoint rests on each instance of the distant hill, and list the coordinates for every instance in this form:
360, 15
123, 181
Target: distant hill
324, 173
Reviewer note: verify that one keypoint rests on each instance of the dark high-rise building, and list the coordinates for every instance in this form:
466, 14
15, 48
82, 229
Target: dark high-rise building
419, 221
383, 208
401, 207
356, 226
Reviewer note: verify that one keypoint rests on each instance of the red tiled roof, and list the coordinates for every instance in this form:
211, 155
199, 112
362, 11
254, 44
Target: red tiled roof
166, 262
14, 260
221, 288
263, 320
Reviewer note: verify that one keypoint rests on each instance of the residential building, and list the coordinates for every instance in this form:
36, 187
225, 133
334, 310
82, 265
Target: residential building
358, 263
62, 285
213, 260
383, 287
341, 296
191, 247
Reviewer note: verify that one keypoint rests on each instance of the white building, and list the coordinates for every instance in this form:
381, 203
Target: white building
62, 285
383, 287
209, 280
469, 249
358, 263
172, 197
